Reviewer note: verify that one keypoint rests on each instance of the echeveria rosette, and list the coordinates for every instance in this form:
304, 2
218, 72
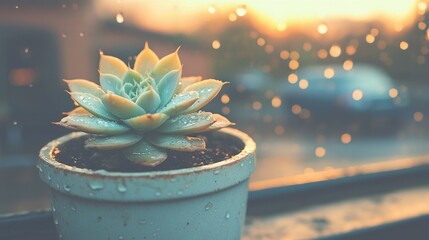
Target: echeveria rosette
145, 110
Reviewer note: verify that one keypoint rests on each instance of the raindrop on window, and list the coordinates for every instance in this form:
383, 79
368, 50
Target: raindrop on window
120, 17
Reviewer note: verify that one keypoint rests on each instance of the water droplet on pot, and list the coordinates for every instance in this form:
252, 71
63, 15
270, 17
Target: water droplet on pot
120, 238
66, 188
227, 215
158, 194
208, 206
142, 222
216, 172
154, 234
121, 186
58, 185
49, 177
180, 192
61, 236
53, 209
55, 221
173, 180
72, 207
94, 185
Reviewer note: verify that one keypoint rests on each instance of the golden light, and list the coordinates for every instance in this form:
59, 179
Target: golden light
351, 50
241, 11
232, 17
279, 130
294, 55
225, 99
296, 109
256, 105
270, 16
216, 44
284, 54
322, 29
212, 9
329, 73
292, 78
293, 64
303, 84
403, 45
335, 51
322, 54
320, 152
226, 110
120, 17
281, 26
276, 102
21, 77
357, 95
393, 92
269, 48
307, 46
346, 138
421, 25
348, 65
260, 42
370, 38
418, 116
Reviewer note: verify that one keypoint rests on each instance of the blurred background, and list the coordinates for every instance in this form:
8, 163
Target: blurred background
320, 85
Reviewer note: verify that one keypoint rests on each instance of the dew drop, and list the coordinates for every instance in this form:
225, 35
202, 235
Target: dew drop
216, 172
66, 188
180, 192
15, 123
154, 234
142, 222
53, 209
61, 236
121, 186
158, 194
72, 207
241, 164
55, 221
120, 238
208, 206
227, 215
49, 177
94, 185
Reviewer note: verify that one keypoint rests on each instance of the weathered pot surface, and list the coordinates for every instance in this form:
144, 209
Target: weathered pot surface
207, 201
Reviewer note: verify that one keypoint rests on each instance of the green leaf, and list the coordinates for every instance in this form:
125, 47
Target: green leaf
178, 142
121, 107
149, 100
167, 86
220, 122
145, 153
78, 111
132, 76
186, 81
112, 142
92, 104
110, 83
207, 90
187, 124
92, 124
84, 86
146, 122
179, 103
146, 60
166, 65
112, 65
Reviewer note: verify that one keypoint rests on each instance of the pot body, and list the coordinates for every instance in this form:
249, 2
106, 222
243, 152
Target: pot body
207, 202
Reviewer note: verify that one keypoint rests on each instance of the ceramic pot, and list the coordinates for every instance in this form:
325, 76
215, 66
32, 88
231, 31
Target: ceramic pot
207, 202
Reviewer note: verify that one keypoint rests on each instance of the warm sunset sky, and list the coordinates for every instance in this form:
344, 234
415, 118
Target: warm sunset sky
188, 15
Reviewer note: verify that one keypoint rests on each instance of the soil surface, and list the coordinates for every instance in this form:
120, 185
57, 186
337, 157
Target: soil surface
74, 153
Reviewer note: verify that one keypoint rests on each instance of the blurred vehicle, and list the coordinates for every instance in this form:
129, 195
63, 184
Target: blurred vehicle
363, 99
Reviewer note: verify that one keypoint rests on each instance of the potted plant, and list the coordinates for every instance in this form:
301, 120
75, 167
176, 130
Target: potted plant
151, 164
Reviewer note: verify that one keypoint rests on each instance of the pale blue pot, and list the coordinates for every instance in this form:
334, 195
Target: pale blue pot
207, 202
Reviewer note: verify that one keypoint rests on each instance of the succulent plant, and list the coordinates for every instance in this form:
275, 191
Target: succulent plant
145, 110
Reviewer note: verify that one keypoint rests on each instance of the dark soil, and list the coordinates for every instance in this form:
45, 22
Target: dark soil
73, 153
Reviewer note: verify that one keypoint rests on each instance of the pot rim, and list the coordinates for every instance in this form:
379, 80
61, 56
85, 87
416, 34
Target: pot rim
147, 186
249, 148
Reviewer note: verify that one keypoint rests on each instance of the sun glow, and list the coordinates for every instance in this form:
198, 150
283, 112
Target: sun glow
274, 16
